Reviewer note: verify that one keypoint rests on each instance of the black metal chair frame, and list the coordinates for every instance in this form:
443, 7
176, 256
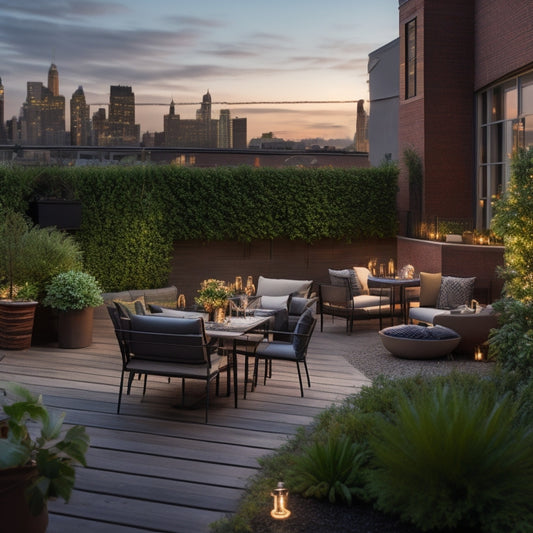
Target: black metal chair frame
257, 353
184, 355
337, 301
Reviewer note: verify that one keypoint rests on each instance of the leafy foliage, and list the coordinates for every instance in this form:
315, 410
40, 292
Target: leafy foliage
73, 290
213, 293
513, 221
54, 456
133, 215
332, 470
33, 255
452, 458
511, 344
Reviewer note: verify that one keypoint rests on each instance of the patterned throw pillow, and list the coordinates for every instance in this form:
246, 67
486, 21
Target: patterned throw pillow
135, 307
408, 331
339, 278
455, 292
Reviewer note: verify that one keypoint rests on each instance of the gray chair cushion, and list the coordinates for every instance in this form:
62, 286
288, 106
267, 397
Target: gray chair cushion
340, 277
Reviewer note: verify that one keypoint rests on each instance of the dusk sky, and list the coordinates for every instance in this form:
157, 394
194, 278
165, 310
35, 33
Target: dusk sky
241, 51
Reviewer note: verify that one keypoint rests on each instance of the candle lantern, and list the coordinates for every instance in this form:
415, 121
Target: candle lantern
480, 352
238, 284
181, 301
280, 495
391, 268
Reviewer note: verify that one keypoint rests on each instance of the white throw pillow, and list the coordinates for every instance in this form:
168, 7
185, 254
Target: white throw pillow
274, 302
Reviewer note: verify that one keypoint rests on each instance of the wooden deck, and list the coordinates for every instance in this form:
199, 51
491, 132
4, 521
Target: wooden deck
157, 467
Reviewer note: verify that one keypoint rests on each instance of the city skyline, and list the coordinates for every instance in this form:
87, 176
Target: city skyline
239, 52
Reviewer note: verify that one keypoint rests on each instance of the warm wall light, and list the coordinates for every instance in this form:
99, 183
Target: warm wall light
479, 353
280, 495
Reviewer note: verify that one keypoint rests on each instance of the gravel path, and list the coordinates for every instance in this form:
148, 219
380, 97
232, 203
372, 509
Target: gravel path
370, 357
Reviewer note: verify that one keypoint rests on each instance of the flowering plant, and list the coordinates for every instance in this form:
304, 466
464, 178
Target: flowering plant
213, 294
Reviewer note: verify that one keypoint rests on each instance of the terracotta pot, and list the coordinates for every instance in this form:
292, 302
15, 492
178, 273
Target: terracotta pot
16, 324
75, 328
14, 510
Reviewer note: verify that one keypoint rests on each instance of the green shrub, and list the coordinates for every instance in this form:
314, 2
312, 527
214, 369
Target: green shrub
511, 344
455, 458
333, 470
73, 291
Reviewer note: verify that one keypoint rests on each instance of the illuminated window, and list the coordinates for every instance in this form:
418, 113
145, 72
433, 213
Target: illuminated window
410, 63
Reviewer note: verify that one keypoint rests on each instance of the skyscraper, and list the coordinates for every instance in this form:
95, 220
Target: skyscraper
80, 125
122, 127
224, 129
361, 128
43, 112
239, 133
3, 137
53, 80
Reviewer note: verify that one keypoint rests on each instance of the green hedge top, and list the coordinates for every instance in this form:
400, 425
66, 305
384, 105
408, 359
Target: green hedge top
139, 211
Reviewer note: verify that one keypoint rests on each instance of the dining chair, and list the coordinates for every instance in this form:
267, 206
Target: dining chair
294, 350
170, 347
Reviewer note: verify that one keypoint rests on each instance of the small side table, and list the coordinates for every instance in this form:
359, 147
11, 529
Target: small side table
393, 283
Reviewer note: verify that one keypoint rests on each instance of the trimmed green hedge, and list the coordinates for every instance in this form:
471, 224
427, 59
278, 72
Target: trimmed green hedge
132, 215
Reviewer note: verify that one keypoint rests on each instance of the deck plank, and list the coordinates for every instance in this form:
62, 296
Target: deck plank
157, 466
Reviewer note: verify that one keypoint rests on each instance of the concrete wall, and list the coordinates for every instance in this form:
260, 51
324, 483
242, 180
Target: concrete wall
383, 77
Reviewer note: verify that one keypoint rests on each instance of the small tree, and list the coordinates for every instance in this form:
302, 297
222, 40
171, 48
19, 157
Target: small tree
513, 222
512, 342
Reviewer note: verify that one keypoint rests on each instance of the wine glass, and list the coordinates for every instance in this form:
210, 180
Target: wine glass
244, 304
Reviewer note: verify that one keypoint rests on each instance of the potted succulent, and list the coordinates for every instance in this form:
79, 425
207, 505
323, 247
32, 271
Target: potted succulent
29, 257
34, 469
74, 294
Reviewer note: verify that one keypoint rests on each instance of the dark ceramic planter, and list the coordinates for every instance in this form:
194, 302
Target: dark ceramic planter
14, 510
16, 324
75, 328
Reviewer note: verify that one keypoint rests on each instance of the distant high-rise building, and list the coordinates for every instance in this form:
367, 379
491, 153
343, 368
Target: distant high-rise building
361, 128
3, 136
43, 112
239, 133
171, 125
53, 80
224, 129
100, 129
80, 124
121, 121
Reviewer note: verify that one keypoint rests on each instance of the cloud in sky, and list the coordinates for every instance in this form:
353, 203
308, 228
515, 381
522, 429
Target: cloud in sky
239, 50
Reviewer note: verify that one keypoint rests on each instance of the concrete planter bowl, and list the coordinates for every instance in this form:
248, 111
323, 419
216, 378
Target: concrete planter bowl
418, 348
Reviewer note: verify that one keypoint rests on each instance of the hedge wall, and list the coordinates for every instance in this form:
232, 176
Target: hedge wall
133, 215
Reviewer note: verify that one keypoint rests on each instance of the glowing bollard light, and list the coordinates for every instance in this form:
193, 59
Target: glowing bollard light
280, 495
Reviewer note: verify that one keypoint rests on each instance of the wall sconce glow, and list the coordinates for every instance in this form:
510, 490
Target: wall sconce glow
280, 495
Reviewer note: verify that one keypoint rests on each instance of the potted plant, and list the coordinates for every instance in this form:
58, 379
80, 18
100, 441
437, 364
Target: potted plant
34, 469
74, 294
213, 295
29, 257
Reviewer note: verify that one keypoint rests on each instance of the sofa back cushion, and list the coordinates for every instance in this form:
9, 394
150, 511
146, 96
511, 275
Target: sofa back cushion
283, 287
429, 288
341, 278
